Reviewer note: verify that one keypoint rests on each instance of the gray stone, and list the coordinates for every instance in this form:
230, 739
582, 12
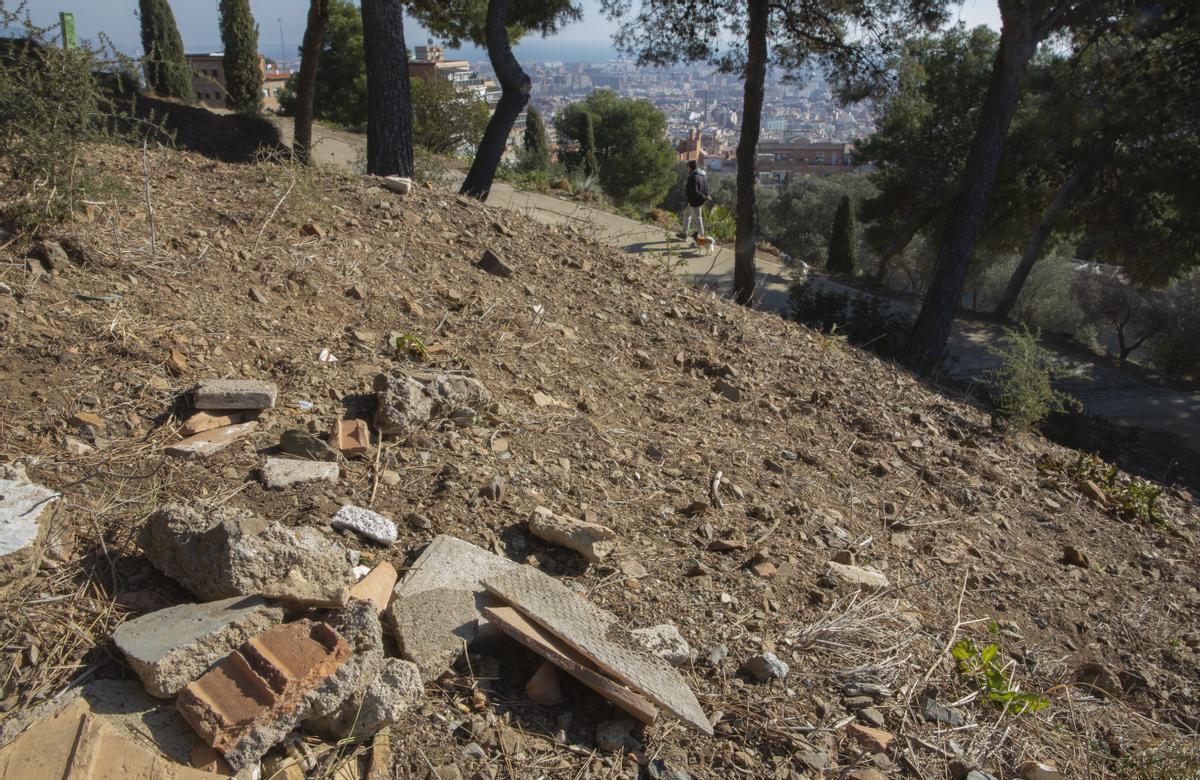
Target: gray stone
220, 552
766, 667
366, 523
171, 647
495, 265
406, 402
473, 751
23, 508
933, 712
591, 540
433, 627
279, 473
728, 389
235, 394
666, 642
863, 577
55, 256
871, 717
303, 444
350, 707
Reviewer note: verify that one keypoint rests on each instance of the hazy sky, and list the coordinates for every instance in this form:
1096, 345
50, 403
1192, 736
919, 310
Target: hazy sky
583, 41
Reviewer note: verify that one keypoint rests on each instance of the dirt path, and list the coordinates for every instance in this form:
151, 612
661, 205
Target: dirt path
1106, 390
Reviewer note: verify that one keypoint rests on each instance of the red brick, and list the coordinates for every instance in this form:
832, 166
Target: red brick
351, 437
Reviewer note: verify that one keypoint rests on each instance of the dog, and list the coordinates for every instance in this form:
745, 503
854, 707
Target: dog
706, 244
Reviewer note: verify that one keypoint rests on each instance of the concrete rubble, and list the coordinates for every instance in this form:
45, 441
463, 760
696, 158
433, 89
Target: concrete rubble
365, 523
171, 647
234, 394
303, 444
24, 508
591, 540
220, 552
210, 441
406, 401
280, 473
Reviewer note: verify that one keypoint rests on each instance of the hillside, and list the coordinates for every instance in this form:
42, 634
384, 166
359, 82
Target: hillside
622, 396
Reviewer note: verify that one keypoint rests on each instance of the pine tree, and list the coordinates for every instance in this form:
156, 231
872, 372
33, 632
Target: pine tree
591, 166
537, 145
243, 74
843, 244
167, 71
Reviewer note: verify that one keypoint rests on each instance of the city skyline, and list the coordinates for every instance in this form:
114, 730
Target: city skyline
588, 40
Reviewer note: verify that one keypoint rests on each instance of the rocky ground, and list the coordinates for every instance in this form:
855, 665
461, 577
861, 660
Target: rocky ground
772, 490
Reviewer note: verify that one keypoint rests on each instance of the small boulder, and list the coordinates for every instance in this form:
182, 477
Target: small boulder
766, 667
591, 540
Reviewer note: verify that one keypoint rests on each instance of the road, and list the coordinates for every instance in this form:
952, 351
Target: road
1117, 393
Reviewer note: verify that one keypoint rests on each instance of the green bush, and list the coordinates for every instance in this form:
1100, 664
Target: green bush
52, 104
1021, 389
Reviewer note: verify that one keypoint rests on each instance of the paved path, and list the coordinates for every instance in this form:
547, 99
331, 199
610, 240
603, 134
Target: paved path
1106, 389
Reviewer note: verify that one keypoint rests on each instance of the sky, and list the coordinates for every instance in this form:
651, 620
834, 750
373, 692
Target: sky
588, 40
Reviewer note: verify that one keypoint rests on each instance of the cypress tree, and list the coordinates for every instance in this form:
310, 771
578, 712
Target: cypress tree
243, 75
537, 145
167, 71
843, 244
591, 166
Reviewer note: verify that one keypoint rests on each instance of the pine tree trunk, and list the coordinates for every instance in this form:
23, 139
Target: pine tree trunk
306, 83
515, 87
1039, 237
745, 275
927, 342
389, 104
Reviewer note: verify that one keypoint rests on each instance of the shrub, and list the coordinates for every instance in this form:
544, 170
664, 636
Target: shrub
52, 104
1021, 389
865, 320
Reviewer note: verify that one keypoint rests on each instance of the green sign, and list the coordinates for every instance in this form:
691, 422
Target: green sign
68, 30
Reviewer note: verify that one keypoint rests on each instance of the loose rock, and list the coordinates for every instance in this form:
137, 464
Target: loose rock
766, 667
235, 394
591, 540
303, 444
366, 523
279, 473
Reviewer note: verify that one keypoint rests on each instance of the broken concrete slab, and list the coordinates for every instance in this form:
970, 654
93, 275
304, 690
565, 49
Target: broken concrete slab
234, 394
279, 473
210, 442
557, 652
206, 421
23, 514
376, 586
364, 522
255, 696
591, 540
598, 636
664, 641
171, 647
352, 438
433, 627
358, 622
864, 577
76, 742
453, 570
221, 552
306, 445
407, 401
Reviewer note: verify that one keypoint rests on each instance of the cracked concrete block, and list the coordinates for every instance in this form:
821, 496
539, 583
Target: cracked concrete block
171, 647
591, 540
405, 402
394, 690
221, 552
257, 695
234, 394
452, 571
279, 473
864, 577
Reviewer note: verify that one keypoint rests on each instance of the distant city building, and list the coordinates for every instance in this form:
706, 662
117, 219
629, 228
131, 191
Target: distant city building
208, 80
429, 62
778, 162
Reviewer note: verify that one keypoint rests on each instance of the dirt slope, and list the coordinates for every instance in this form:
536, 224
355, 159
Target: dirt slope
609, 377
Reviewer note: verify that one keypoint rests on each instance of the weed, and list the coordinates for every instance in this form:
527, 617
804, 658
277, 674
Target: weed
1021, 388
982, 667
406, 342
1132, 499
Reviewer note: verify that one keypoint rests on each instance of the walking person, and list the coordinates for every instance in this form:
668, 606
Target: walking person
696, 193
